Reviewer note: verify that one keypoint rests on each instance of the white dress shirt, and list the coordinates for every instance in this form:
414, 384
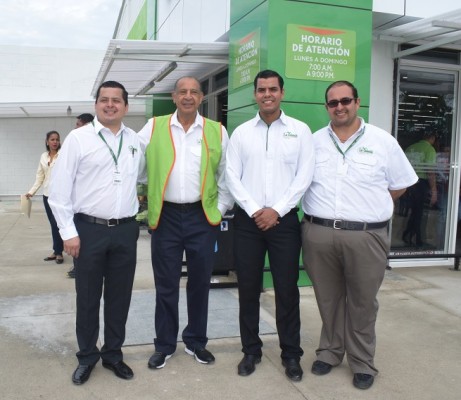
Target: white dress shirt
183, 185
270, 166
356, 187
42, 178
84, 179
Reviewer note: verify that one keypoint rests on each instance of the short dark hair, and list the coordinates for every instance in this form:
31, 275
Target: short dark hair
266, 74
113, 84
86, 118
48, 134
342, 83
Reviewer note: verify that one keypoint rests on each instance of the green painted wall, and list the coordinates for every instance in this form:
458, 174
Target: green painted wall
264, 34
304, 98
162, 106
241, 8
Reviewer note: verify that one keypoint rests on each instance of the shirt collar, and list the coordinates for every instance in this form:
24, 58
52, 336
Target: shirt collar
361, 127
98, 127
198, 120
282, 119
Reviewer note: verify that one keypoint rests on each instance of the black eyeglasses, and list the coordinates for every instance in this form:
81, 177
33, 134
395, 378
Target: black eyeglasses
345, 101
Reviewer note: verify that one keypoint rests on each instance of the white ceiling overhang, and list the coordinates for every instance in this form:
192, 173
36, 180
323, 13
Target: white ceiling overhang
425, 34
147, 67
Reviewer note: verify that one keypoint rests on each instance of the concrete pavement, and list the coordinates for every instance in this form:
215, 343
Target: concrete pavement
418, 351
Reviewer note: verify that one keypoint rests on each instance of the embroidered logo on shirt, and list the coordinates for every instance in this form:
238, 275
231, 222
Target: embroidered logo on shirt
132, 150
365, 150
290, 135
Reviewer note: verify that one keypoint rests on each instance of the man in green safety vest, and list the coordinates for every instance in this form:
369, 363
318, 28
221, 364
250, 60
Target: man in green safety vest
187, 198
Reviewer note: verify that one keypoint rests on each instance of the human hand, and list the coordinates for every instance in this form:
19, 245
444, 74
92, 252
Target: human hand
72, 246
266, 218
28, 195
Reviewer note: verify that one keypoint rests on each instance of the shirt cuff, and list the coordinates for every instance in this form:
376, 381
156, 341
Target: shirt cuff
281, 211
68, 233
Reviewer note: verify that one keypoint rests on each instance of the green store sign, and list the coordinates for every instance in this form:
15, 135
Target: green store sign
246, 57
320, 54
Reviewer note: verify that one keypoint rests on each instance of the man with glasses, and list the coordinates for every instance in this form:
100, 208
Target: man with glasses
360, 170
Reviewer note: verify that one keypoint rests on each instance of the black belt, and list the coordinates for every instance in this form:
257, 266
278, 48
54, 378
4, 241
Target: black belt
346, 225
101, 221
183, 207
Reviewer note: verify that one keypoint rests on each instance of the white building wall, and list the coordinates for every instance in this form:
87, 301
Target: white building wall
381, 85
192, 20
35, 75
415, 8
22, 141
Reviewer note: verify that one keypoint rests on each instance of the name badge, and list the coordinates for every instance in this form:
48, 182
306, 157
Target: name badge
117, 178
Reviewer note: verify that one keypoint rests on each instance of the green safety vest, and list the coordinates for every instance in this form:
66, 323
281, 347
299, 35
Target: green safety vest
160, 157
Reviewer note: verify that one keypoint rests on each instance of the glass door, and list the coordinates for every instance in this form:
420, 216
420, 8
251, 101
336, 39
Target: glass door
424, 220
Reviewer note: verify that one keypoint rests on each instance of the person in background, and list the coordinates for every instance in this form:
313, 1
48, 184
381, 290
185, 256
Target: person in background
45, 166
270, 162
360, 170
93, 197
187, 198
82, 120
423, 158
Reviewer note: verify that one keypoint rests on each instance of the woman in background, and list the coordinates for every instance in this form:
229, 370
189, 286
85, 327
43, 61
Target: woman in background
47, 161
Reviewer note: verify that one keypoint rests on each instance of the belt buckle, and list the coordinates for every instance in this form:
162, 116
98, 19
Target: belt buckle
109, 224
337, 221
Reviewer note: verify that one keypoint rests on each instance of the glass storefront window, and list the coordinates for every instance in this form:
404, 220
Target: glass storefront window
425, 132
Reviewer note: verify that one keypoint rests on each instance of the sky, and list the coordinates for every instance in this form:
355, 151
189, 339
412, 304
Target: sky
77, 24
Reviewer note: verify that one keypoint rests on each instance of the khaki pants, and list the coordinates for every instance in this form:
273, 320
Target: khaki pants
346, 269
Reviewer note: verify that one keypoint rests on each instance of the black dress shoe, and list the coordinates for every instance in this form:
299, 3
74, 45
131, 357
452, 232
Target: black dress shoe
248, 364
81, 374
321, 368
363, 381
120, 369
292, 369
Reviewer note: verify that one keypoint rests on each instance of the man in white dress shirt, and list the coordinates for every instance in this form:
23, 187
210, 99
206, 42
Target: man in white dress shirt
185, 156
270, 162
360, 170
93, 197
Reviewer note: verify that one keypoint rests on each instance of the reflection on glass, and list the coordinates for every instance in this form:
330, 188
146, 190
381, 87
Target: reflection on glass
425, 115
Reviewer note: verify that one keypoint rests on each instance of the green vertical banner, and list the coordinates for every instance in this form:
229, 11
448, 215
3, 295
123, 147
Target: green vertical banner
245, 53
322, 54
311, 43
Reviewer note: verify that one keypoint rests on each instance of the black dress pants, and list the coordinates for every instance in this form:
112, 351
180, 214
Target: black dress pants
106, 263
418, 194
58, 245
182, 231
283, 244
